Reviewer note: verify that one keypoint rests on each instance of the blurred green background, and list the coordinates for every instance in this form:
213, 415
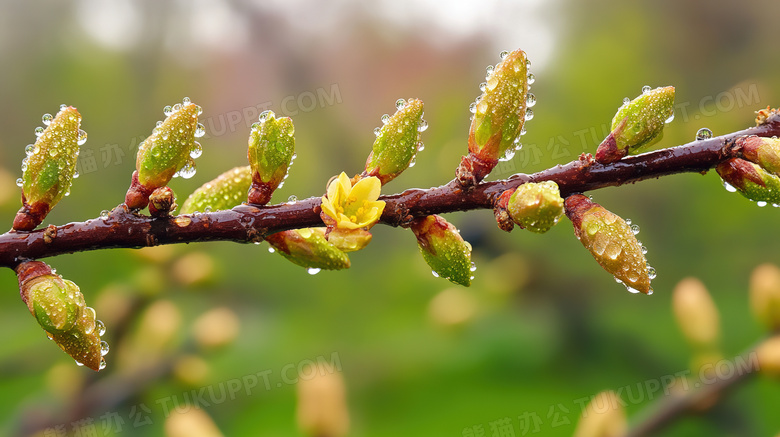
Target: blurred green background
541, 328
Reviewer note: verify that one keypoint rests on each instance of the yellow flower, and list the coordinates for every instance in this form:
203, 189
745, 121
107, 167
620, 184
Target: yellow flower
353, 207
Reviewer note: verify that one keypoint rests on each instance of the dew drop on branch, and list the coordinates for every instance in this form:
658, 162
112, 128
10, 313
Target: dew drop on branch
703, 134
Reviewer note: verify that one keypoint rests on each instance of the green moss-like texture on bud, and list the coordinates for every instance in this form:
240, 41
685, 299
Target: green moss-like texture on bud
50, 166
169, 151
308, 248
536, 206
762, 151
271, 151
499, 115
397, 142
750, 180
443, 249
637, 124
58, 306
226, 191
611, 242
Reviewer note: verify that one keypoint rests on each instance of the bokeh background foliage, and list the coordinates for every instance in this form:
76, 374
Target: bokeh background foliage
541, 326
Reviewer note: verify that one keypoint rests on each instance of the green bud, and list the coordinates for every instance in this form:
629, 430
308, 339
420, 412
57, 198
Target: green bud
611, 241
536, 206
349, 240
444, 249
637, 124
168, 152
58, 306
308, 248
271, 151
499, 115
397, 142
226, 191
751, 180
762, 151
50, 166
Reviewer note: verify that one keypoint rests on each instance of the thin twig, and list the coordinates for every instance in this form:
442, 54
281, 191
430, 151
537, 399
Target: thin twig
246, 223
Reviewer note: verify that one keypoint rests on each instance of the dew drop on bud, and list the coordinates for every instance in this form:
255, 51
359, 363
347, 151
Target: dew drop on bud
176, 107
473, 107
503, 54
761, 203
703, 134
508, 155
29, 149
646, 89
38, 131
102, 364
63, 107
422, 126
104, 348
482, 86
635, 229
651, 272
626, 100
186, 101
264, 116
435, 275
47, 118
101, 328
19, 182
670, 119
196, 150
530, 78
644, 250
529, 114
313, 271
79, 364
167, 110
82, 138
400, 104
729, 187
530, 100
187, 171
473, 267
489, 69
76, 174
385, 119
377, 131
271, 250
200, 130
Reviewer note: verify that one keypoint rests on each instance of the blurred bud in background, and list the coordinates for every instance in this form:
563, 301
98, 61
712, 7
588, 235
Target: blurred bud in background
153, 337
452, 307
604, 416
195, 268
322, 404
215, 328
765, 295
194, 422
769, 356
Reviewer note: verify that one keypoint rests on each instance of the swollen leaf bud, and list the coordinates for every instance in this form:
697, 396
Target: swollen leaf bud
536, 206
162, 202
397, 142
768, 354
696, 314
308, 248
50, 167
499, 115
637, 124
611, 241
750, 180
58, 306
444, 249
271, 151
349, 240
765, 295
762, 151
604, 416
226, 191
168, 152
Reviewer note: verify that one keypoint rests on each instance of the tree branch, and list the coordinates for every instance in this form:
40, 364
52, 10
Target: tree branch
246, 223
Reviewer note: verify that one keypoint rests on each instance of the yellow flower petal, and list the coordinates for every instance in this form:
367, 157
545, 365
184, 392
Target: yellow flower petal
327, 207
367, 189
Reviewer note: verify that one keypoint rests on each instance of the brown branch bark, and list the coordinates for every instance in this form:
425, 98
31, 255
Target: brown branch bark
246, 223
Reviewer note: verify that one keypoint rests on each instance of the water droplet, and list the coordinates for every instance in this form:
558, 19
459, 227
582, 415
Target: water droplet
168, 111
385, 119
292, 199
186, 100
312, 271
435, 275
503, 54
422, 126
256, 126
271, 250
729, 187
47, 118
531, 78
670, 119
82, 138
196, 150
644, 250
104, 348
761, 203
482, 86
19, 182
420, 146
473, 107
628, 221
38, 131
651, 272
473, 267
703, 134
413, 162
264, 115
626, 100
53, 152
529, 114
489, 69
104, 214
530, 100
79, 364
377, 131
400, 104
176, 107
508, 155
200, 130
63, 107
102, 364
29, 149
635, 229
101, 328
646, 89
188, 170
